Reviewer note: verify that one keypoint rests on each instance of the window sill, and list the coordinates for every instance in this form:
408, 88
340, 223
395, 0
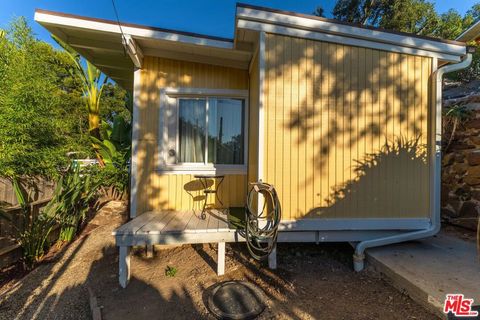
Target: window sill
214, 169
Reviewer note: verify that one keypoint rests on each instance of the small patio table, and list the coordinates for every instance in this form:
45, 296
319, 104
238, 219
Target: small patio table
209, 190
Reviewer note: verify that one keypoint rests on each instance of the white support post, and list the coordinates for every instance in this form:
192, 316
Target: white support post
124, 266
135, 138
149, 250
221, 259
272, 258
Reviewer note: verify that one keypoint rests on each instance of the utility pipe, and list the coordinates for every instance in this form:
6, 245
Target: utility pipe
435, 172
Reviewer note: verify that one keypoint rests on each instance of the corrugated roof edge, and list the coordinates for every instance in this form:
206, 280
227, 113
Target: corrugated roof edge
308, 16
134, 25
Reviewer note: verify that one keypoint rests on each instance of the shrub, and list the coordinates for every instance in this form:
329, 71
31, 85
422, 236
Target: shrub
71, 201
34, 231
170, 271
114, 152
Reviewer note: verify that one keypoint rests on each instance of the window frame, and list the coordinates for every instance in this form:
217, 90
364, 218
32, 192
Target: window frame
167, 106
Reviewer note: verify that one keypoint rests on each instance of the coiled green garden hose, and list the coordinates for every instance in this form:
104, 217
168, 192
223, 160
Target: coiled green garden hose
261, 240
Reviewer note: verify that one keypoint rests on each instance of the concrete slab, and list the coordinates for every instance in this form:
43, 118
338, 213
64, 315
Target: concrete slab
429, 269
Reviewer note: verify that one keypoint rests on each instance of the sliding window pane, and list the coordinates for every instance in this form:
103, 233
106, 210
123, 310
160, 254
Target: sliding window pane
225, 131
192, 129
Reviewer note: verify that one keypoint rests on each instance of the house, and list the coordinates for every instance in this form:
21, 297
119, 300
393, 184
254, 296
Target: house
344, 120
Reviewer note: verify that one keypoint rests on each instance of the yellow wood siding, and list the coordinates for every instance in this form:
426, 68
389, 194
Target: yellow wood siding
169, 191
346, 130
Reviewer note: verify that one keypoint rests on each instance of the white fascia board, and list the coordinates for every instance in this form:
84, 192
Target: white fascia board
145, 33
133, 50
321, 36
349, 31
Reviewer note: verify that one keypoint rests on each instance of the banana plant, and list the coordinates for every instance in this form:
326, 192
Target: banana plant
92, 86
115, 146
114, 149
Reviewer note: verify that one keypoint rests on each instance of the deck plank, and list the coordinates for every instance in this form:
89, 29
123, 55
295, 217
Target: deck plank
223, 222
202, 225
192, 224
178, 223
134, 225
213, 222
157, 224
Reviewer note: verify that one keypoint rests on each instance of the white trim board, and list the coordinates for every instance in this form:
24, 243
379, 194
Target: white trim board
435, 156
322, 36
355, 224
205, 92
261, 111
145, 33
262, 18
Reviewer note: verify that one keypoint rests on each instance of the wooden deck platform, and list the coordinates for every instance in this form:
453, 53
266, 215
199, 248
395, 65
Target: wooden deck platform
173, 227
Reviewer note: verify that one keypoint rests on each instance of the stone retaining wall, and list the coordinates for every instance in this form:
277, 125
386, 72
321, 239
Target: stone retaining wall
461, 173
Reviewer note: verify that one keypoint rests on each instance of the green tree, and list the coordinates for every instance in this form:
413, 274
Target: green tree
415, 16
358, 11
319, 12
115, 102
474, 13
42, 106
32, 134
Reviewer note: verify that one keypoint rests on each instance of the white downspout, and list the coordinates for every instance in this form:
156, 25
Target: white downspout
435, 172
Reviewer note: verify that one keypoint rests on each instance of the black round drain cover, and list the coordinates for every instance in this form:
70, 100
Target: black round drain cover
236, 300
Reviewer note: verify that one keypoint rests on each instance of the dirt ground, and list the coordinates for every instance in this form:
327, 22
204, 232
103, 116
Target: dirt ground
311, 282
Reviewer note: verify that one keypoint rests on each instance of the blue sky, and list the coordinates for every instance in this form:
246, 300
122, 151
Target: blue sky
213, 17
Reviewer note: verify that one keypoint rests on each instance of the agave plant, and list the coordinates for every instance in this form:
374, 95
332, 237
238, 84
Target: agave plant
93, 84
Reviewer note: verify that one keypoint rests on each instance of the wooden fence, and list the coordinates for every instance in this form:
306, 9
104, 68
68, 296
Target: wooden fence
36, 188
10, 251
15, 214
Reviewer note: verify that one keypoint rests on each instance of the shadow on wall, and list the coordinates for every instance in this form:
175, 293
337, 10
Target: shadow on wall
380, 187
328, 107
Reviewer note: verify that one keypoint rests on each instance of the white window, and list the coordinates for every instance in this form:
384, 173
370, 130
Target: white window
203, 132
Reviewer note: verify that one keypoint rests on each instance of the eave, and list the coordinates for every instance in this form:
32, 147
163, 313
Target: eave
260, 19
116, 49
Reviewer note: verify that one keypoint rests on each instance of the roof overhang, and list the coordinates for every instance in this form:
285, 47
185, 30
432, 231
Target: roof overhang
255, 18
471, 34
116, 49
